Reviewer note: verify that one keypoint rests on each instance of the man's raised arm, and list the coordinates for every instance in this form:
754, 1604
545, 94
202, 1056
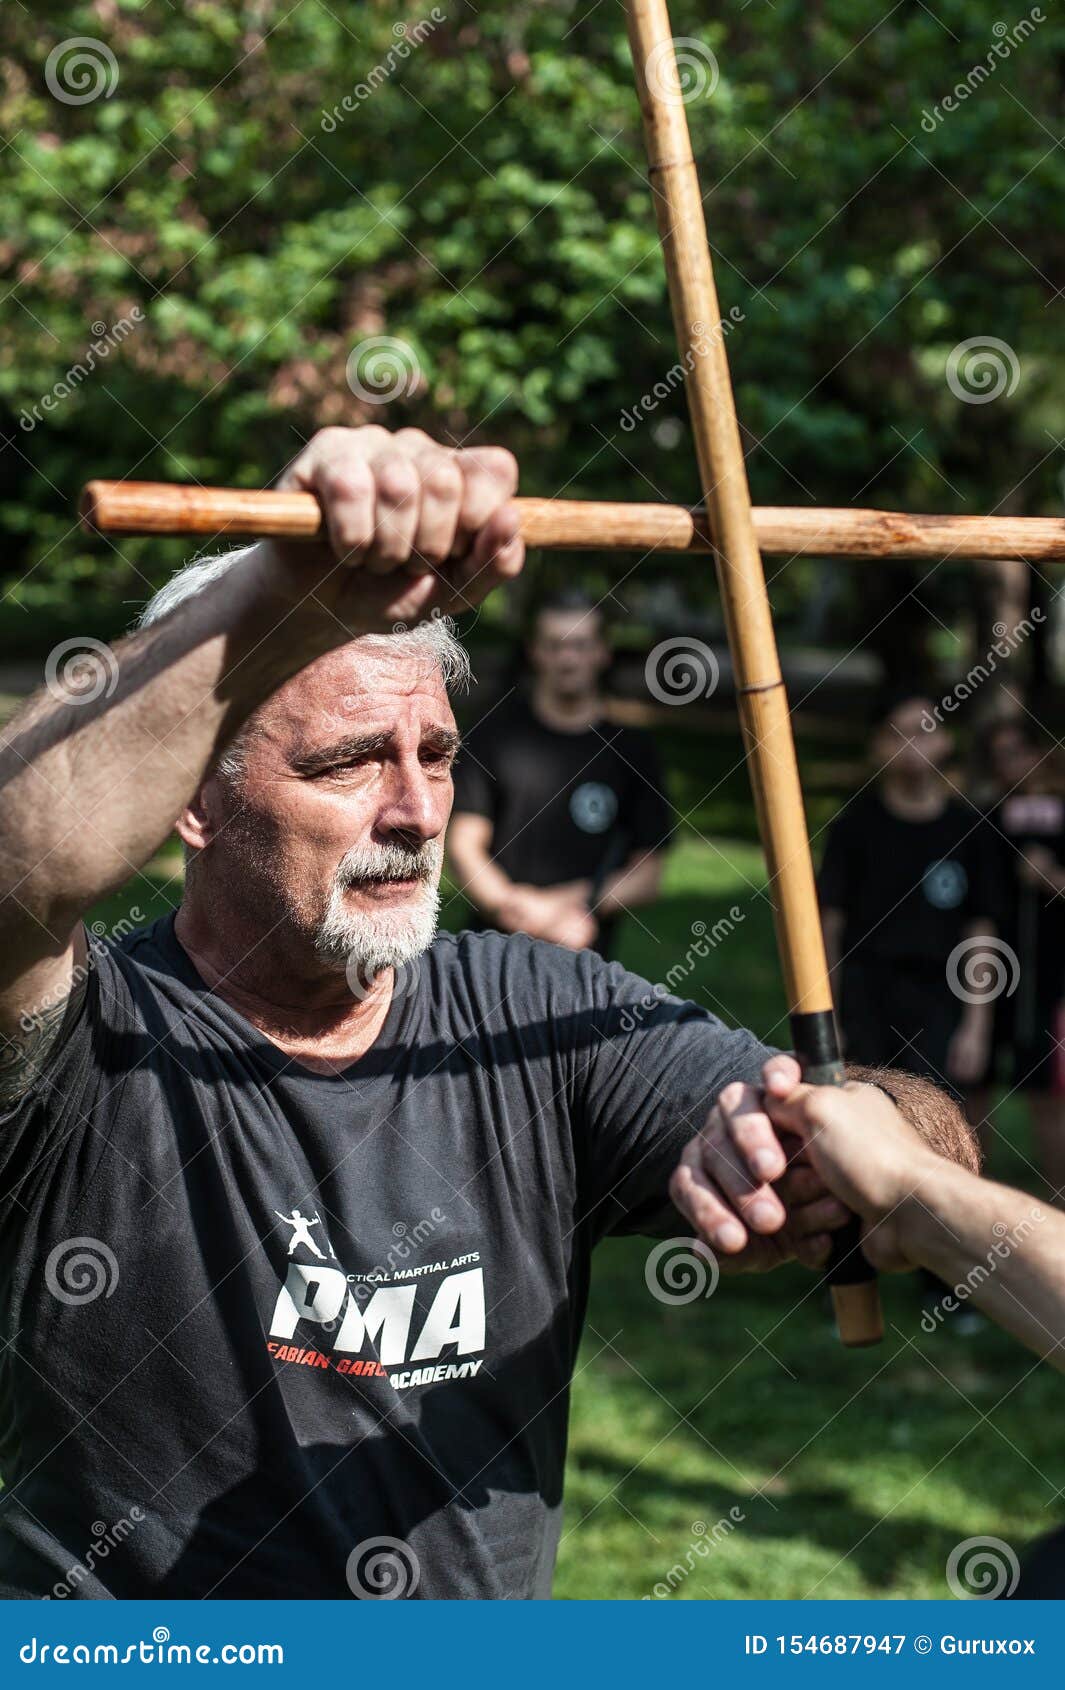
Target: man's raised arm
94, 777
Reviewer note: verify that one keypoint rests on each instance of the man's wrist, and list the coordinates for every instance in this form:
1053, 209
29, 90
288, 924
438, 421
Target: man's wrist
295, 583
936, 1190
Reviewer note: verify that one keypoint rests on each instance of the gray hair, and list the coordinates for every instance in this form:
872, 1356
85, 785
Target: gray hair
434, 640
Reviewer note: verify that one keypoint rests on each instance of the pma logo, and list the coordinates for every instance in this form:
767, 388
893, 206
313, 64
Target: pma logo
945, 885
593, 806
301, 1233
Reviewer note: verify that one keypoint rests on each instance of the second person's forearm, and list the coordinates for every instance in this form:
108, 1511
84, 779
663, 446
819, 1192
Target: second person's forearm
995, 1247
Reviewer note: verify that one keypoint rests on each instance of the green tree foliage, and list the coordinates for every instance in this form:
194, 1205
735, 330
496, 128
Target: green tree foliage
270, 186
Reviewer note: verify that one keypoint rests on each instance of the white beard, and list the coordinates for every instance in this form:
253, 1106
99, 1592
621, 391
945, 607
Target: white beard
366, 942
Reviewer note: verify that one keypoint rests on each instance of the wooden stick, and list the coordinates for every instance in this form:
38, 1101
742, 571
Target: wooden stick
763, 703
158, 507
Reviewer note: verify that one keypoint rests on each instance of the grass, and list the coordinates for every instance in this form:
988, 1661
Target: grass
847, 1474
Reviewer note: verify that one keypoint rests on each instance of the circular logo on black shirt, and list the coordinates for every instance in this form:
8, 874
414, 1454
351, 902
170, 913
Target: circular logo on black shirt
593, 806
945, 884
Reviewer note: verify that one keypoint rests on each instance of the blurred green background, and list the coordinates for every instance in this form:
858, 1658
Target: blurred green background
195, 201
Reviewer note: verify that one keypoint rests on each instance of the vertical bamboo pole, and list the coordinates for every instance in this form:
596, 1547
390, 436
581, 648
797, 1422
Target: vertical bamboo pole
763, 704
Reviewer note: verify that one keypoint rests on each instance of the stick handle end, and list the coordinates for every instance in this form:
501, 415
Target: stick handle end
858, 1316
89, 506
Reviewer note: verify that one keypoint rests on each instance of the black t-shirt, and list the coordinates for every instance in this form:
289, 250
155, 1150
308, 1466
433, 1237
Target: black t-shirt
1031, 917
907, 889
256, 1318
562, 806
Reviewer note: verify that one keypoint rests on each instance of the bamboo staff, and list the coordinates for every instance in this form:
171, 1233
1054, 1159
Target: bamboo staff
763, 704
160, 507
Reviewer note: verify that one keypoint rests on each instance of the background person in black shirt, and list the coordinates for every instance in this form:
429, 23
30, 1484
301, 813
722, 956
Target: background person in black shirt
1027, 828
560, 821
905, 886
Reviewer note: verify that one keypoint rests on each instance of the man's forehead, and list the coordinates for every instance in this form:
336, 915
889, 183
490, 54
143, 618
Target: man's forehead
358, 687
569, 624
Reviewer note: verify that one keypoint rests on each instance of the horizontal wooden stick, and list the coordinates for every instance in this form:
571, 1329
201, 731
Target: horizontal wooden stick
151, 507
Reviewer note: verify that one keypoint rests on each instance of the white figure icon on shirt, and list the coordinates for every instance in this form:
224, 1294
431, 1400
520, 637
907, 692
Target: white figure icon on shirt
301, 1232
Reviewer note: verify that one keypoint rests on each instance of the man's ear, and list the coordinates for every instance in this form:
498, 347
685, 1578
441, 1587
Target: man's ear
198, 821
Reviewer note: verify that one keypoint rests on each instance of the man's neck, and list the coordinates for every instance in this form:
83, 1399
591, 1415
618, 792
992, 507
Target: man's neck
566, 714
302, 1006
920, 797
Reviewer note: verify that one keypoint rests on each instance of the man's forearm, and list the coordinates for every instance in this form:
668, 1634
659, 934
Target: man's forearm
995, 1247
93, 785
479, 879
632, 886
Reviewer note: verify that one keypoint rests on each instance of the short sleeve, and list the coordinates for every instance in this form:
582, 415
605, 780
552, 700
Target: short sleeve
656, 1066
58, 1103
649, 822
475, 776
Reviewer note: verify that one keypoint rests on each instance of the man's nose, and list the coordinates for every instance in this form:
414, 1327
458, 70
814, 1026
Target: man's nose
414, 805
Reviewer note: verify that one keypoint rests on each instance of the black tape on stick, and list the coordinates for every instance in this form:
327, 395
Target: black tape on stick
815, 1042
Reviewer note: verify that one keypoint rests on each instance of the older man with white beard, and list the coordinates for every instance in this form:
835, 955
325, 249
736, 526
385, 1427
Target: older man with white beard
299, 1202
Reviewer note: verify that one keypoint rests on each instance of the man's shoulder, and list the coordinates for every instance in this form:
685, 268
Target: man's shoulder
144, 956
142, 943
